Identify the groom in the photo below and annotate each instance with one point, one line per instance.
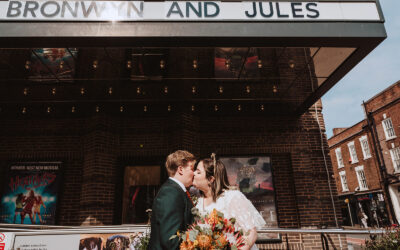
(172, 205)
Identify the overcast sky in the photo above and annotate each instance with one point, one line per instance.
(381, 68)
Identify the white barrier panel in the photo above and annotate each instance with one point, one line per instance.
(6, 241)
(47, 242)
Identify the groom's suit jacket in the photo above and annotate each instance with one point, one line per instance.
(171, 212)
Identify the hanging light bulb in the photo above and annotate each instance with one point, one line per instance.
(274, 89)
(166, 90)
(121, 109)
(193, 89)
(48, 110)
(195, 64)
(61, 64)
(262, 107)
(193, 108)
(95, 64)
(53, 91)
(291, 64)
(162, 64)
(227, 63)
(248, 89)
(221, 89)
(239, 107)
(97, 109)
(26, 91)
(27, 65)
(169, 108)
(138, 90)
(129, 64)
(73, 109)
(110, 90)
(259, 64)
(82, 91)
(145, 108)
(24, 110)
(215, 107)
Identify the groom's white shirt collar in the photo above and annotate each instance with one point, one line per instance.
(179, 183)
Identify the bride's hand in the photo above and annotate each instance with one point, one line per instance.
(245, 247)
(250, 239)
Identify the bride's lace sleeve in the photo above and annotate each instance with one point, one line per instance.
(246, 215)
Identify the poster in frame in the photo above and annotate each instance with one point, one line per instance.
(30, 193)
(141, 184)
(252, 175)
(48, 64)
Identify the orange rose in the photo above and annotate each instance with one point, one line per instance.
(222, 241)
(186, 245)
(213, 217)
(204, 241)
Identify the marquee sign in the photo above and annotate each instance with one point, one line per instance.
(49, 10)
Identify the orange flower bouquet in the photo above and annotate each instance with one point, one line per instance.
(211, 231)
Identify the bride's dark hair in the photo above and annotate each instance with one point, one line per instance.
(215, 168)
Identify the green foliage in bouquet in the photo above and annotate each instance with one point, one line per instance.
(389, 240)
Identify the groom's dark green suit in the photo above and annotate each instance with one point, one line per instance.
(171, 212)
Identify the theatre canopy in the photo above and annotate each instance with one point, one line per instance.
(296, 49)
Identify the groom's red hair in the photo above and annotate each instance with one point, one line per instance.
(176, 159)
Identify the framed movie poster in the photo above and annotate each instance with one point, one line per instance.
(109, 241)
(141, 184)
(30, 193)
(50, 63)
(253, 177)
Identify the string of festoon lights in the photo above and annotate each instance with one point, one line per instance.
(97, 108)
(165, 89)
(195, 64)
(110, 91)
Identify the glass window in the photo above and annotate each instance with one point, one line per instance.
(395, 154)
(388, 128)
(362, 181)
(365, 147)
(339, 157)
(353, 153)
(141, 184)
(343, 179)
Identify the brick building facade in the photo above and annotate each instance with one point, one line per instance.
(383, 112)
(357, 176)
(365, 158)
(110, 100)
(95, 144)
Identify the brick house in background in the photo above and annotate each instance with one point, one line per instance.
(366, 162)
(357, 176)
(383, 112)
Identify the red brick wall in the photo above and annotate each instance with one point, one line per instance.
(371, 168)
(338, 130)
(91, 150)
(392, 112)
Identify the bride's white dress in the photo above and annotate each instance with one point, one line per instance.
(234, 204)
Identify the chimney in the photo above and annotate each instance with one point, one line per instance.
(338, 130)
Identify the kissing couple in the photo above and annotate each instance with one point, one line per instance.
(172, 206)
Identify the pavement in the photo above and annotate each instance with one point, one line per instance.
(356, 241)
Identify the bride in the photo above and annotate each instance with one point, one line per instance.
(211, 179)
